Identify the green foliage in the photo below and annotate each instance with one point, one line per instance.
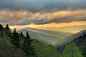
(45, 51)
(10, 44)
(1, 53)
(71, 50)
(9, 50)
(15, 38)
(35, 42)
(49, 51)
(84, 50)
(27, 46)
(22, 35)
(39, 49)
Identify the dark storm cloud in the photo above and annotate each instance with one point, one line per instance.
(37, 5)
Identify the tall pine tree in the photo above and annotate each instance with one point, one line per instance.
(7, 27)
(27, 46)
(21, 35)
(15, 39)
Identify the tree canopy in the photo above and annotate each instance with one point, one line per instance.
(50, 51)
(84, 50)
(71, 50)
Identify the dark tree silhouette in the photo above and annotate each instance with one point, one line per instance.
(27, 46)
(1, 27)
(14, 30)
(15, 38)
(21, 35)
(7, 27)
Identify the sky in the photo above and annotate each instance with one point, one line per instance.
(43, 14)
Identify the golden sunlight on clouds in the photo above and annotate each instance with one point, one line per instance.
(57, 25)
(70, 15)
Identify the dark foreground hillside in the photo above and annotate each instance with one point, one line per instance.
(9, 50)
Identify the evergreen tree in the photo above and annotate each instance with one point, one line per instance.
(15, 38)
(21, 35)
(1, 27)
(7, 27)
(39, 47)
(71, 50)
(27, 46)
(84, 50)
(15, 30)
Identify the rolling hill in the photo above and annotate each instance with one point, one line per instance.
(70, 38)
(46, 38)
(33, 36)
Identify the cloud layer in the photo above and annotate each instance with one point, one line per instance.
(23, 12)
(27, 17)
(37, 5)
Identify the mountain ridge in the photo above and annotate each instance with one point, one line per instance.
(70, 38)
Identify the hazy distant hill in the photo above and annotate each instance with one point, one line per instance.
(58, 34)
(75, 28)
(46, 38)
(70, 38)
(69, 29)
(33, 36)
(49, 37)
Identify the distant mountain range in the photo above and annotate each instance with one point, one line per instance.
(57, 34)
(55, 38)
(69, 29)
(45, 36)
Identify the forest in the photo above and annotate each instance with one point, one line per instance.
(14, 44)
